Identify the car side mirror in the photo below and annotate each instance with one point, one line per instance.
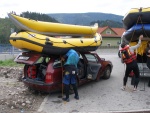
(102, 58)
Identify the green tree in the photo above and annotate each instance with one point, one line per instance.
(38, 16)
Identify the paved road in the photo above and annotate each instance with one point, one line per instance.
(103, 96)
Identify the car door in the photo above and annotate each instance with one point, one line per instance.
(93, 66)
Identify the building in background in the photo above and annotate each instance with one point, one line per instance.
(111, 36)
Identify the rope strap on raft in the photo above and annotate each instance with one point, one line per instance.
(95, 41)
(142, 48)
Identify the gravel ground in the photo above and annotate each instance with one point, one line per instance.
(14, 96)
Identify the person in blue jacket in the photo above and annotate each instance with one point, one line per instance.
(71, 59)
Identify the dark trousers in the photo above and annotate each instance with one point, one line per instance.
(129, 67)
(67, 88)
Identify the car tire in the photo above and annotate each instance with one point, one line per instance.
(107, 73)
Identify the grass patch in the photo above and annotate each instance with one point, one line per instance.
(10, 63)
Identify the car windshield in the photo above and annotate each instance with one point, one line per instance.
(43, 60)
(57, 63)
(91, 58)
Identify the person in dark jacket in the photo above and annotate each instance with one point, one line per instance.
(148, 55)
(71, 59)
(148, 58)
(128, 57)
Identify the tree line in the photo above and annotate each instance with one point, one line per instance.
(109, 23)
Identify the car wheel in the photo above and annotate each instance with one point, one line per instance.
(119, 54)
(107, 73)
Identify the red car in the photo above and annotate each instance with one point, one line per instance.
(44, 73)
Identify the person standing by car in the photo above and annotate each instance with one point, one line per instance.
(148, 55)
(128, 57)
(148, 58)
(71, 59)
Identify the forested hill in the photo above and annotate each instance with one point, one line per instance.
(85, 18)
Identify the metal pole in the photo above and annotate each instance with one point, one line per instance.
(12, 31)
(13, 51)
(144, 78)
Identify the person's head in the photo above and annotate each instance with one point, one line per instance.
(123, 45)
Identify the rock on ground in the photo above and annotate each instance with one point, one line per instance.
(14, 96)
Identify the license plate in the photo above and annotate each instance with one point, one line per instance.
(23, 58)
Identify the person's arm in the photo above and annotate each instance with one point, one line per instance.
(62, 58)
(148, 55)
(132, 48)
(148, 52)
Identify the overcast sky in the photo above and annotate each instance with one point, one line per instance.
(119, 7)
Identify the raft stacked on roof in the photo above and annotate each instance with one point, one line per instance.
(43, 36)
(29, 41)
(136, 22)
(52, 29)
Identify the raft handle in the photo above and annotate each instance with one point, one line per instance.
(49, 43)
(47, 39)
(14, 40)
(81, 41)
(64, 41)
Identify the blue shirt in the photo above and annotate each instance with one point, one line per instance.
(73, 58)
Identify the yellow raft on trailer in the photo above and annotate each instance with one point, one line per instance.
(52, 29)
(30, 41)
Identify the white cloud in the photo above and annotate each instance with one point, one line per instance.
(119, 7)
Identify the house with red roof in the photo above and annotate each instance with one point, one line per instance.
(111, 36)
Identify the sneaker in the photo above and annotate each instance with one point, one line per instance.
(123, 88)
(76, 97)
(66, 99)
(134, 89)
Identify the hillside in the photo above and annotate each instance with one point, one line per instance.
(84, 18)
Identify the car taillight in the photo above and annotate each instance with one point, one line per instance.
(48, 78)
(31, 72)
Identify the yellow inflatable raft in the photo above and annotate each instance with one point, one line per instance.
(52, 29)
(30, 41)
